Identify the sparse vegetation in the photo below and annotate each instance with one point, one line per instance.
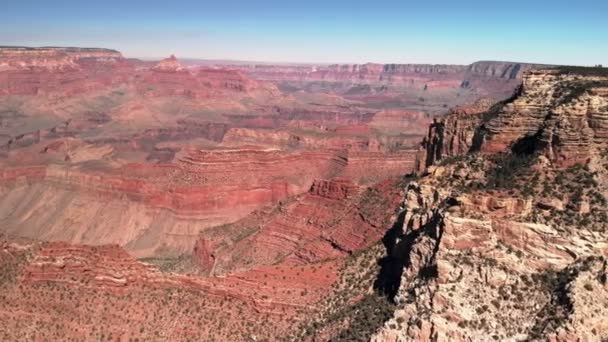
(342, 319)
(583, 202)
(509, 172)
(571, 90)
(583, 71)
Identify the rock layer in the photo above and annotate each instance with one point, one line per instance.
(475, 262)
(333, 219)
(93, 292)
(562, 114)
(96, 148)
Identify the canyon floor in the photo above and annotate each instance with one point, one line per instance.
(208, 201)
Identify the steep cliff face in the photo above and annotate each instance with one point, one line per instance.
(452, 135)
(488, 245)
(335, 218)
(502, 70)
(18, 58)
(562, 114)
(390, 72)
(32, 71)
(467, 276)
(491, 242)
(419, 87)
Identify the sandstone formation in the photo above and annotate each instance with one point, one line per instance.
(497, 242)
(400, 73)
(92, 141)
(20, 58)
(170, 64)
(270, 202)
(562, 113)
(558, 112)
(454, 134)
(476, 276)
(334, 219)
(428, 88)
(31, 71)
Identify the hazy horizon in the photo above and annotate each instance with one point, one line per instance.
(431, 32)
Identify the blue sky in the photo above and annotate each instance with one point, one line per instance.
(459, 32)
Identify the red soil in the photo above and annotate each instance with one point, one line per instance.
(333, 219)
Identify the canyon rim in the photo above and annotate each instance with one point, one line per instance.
(177, 198)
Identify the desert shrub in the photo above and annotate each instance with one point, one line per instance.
(508, 171)
(583, 71)
(366, 317)
(574, 89)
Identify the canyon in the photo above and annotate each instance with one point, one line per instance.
(192, 200)
(97, 148)
(421, 87)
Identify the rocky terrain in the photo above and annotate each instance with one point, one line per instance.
(91, 141)
(163, 201)
(56, 291)
(429, 88)
(333, 220)
(96, 148)
(502, 234)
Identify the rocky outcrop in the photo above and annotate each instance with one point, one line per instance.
(561, 114)
(405, 73)
(461, 275)
(334, 189)
(453, 135)
(170, 64)
(491, 243)
(32, 71)
(471, 262)
(335, 218)
(501, 70)
(18, 58)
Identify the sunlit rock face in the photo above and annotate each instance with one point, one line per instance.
(166, 200)
(563, 114)
(90, 141)
(514, 222)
